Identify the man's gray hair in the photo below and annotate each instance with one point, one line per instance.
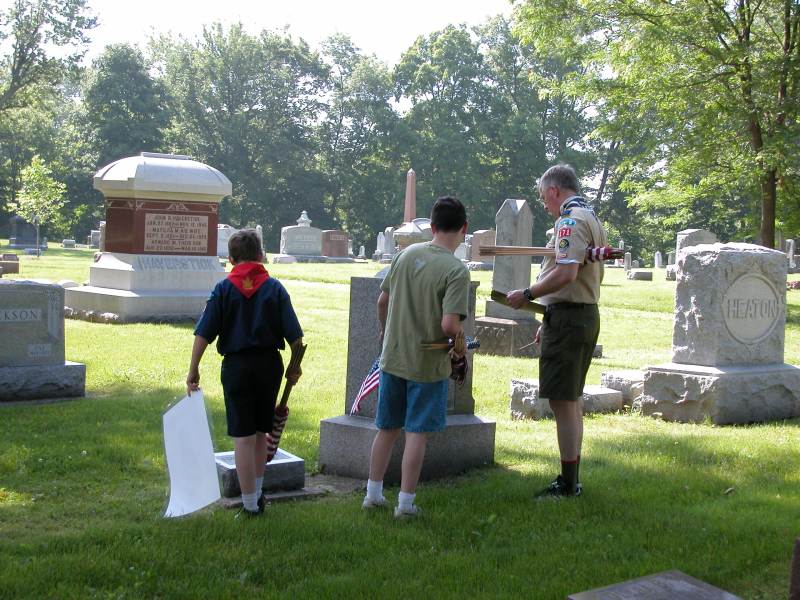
(563, 176)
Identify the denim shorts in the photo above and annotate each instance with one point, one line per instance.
(413, 406)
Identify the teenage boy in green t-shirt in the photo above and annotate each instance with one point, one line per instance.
(423, 298)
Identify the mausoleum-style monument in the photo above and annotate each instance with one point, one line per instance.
(727, 341)
(160, 248)
(32, 364)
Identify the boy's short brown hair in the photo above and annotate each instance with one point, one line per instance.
(244, 245)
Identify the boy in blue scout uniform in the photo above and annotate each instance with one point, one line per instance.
(569, 286)
(252, 315)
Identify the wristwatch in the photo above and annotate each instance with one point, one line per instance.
(527, 293)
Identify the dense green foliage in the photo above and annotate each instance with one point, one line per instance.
(676, 115)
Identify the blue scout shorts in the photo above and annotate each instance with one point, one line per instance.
(416, 407)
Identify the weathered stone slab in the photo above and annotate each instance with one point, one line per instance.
(67, 243)
(506, 337)
(466, 442)
(630, 383)
(640, 275)
(693, 237)
(730, 305)
(481, 237)
(671, 273)
(284, 472)
(527, 404)
(334, 243)
(67, 380)
(10, 267)
(669, 585)
(726, 394)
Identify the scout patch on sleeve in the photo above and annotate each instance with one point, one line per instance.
(563, 244)
(566, 222)
(564, 232)
(562, 255)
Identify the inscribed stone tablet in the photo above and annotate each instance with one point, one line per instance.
(751, 308)
(186, 234)
(32, 315)
(670, 585)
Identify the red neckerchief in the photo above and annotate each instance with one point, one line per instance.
(248, 277)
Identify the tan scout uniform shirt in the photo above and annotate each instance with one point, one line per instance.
(424, 282)
(575, 230)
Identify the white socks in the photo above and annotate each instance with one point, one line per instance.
(374, 489)
(405, 500)
(251, 501)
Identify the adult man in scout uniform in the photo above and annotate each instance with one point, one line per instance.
(569, 286)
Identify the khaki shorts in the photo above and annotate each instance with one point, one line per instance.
(569, 335)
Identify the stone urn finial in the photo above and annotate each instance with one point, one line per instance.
(304, 221)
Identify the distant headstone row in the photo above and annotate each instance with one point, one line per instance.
(304, 243)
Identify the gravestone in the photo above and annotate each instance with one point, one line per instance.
(102, 228)
(9, 263)
(410, 202)
(301, 241)
(378, 254)
(224, 233)
(670, 258)
(33, 366)
(659, 260)
(346, 440)
(160, 261)
(692, 237)
(388, 249)
(727, 341)
(94, 239)
(461, 251)
(67, 243)
(362, 253)
(413, 232)
(510, 332)
(627, 263)
(335, 246)
(629, 383)
(790, 250)
(526, 403)
(22, 235)
(669, 585)
(260, 234)
(640, 275)
(284, 472)
(480, 238)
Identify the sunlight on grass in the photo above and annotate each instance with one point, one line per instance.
(84, 481)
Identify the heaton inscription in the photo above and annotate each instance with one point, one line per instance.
(186, 234)
(751, 308)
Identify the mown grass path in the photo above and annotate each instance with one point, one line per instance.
(83, 482)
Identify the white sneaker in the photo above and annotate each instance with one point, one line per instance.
(370, 503)
(407, 512)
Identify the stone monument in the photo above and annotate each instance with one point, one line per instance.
(301, 242)
(505, 331)
(335, 246)
(388, 249)
(659, 260)
(481, 237)
(33, 366)
(410, 203)
(9, 262)
(345, 441)
(22, 235)
(224, 233)
(727, 341)
(160, 260)
(378, 254)
(790, 255)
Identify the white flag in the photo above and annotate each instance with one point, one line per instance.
(192, 469)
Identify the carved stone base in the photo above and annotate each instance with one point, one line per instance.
(507, 337)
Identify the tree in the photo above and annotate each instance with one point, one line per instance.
(40, 197)
(356, 135)
(34, 27)
(706, 92)
(247, 105)
(124, 106)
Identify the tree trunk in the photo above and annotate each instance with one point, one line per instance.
(769, 189)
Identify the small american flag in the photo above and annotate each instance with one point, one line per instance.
(370, 383)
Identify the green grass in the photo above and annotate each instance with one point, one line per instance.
(83, 482)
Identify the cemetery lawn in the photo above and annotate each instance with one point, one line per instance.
(83, 482)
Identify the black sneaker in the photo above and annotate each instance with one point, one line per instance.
(558, 489)
(248, 514)
(262, 502)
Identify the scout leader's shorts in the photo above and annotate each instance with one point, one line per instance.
(250, 382)
(569, 335)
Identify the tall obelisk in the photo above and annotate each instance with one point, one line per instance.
(410, 210)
